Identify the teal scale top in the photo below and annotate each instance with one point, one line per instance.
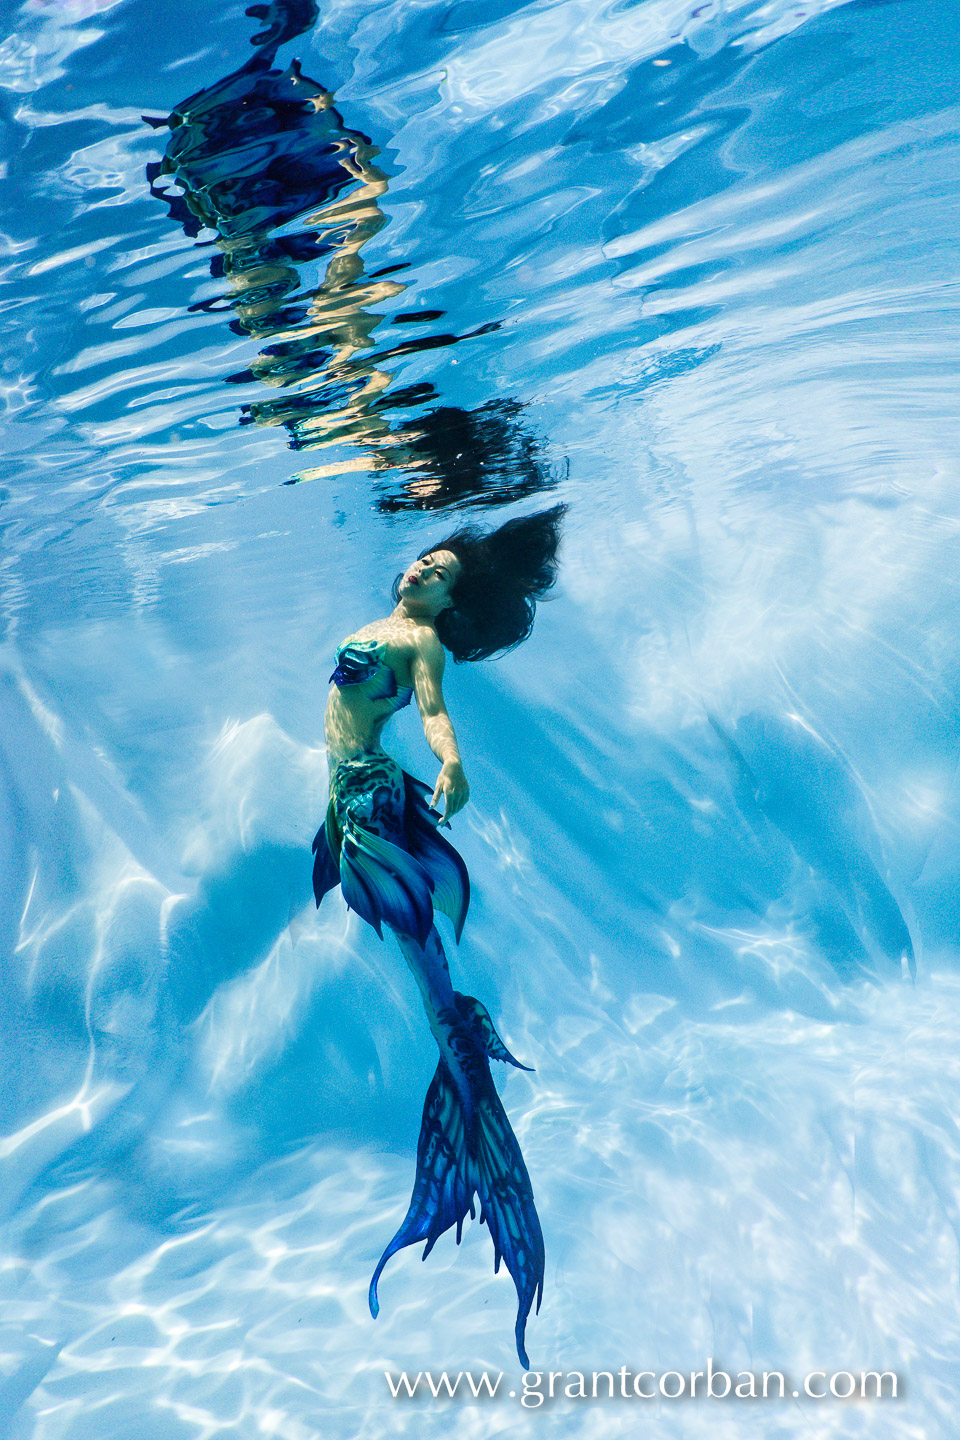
(360, 661)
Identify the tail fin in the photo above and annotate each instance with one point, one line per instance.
(386, 884)
(383, 883)
(444, 864)
(478, 1015)
(468, 1150)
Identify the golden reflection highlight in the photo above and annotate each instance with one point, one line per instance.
(265, 162)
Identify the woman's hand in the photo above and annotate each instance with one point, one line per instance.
(452, 786)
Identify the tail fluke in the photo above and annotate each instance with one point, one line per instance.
(506, 1206)
(467, 1148)
(442, 1193)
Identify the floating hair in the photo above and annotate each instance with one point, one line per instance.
(503, 574)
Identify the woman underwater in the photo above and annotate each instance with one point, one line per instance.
(475, 595)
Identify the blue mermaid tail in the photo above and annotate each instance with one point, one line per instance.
(381, 845)
(397, 879)
(467, 1148)
(444, 865)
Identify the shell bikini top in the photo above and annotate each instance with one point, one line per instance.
(358, 661)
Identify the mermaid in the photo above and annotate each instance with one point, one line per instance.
(473, 595)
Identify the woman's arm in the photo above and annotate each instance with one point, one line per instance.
(427, 671)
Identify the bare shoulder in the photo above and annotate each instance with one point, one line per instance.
(425, 644)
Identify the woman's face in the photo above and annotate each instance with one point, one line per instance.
(427, 584)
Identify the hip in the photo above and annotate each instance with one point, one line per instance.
(369, 787)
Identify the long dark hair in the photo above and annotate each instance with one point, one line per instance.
(503, 574)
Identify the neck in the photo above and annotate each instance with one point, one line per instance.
(410, 610)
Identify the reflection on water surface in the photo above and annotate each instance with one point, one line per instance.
(252, 153)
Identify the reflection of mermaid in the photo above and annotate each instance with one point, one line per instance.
(247, 157)
(474, 595)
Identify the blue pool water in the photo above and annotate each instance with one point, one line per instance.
(691, 268)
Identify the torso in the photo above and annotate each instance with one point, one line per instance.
(357, 713)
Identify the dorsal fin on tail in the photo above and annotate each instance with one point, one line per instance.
(475, 1011)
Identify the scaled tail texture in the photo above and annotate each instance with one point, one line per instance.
(385, 883)
(381, 844)
(467, 1148)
